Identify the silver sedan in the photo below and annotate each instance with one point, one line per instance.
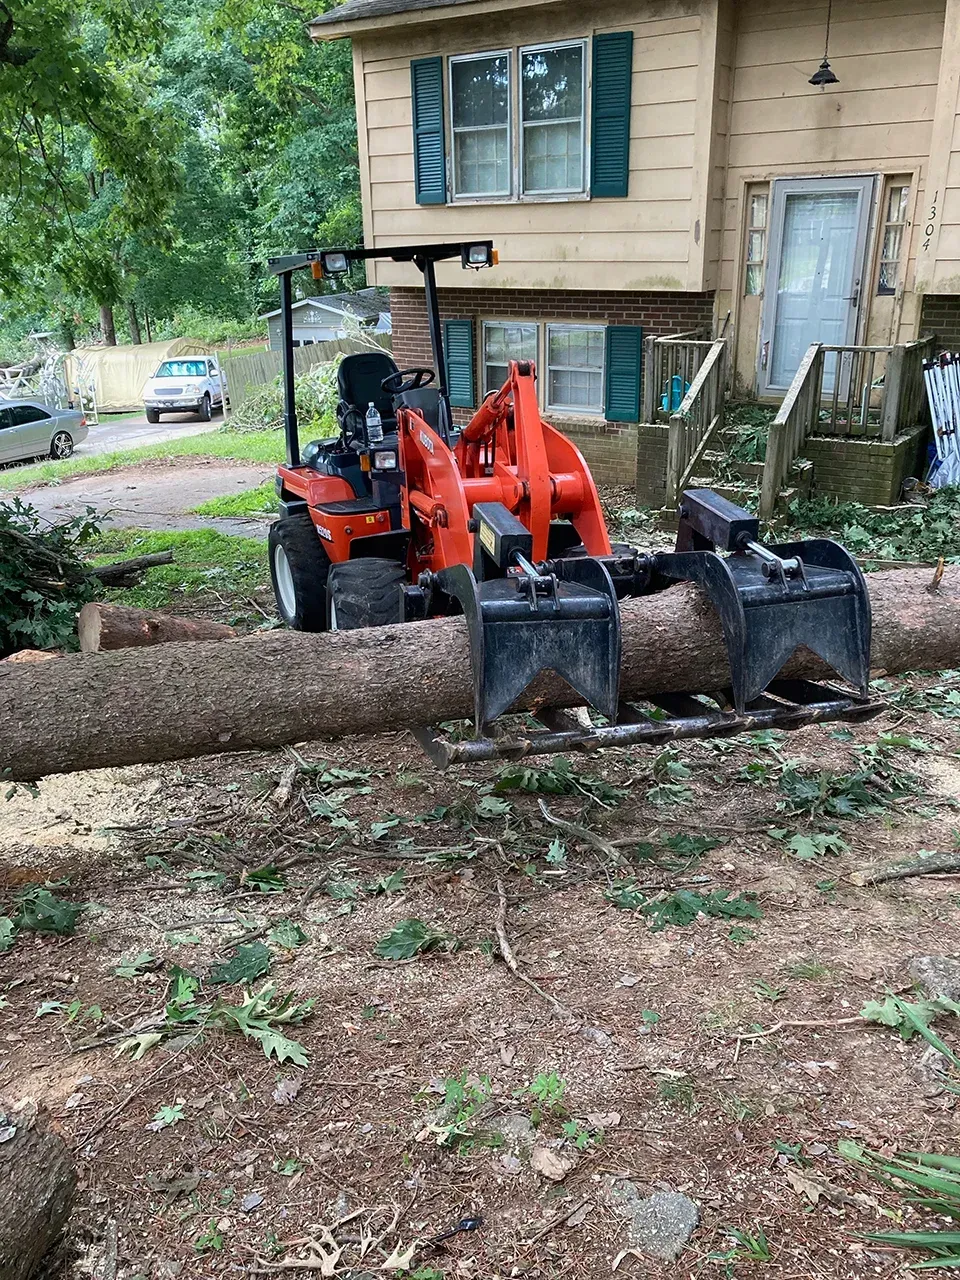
(32, 429)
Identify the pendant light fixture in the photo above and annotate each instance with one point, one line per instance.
(824, 73)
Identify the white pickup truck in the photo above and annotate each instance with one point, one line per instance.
(187, 384)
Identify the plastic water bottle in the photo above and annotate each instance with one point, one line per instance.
(374, 425)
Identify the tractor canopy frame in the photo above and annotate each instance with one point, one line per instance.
(324, 263)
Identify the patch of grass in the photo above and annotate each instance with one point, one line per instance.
(251, 502)
(248, 446)
(206, 562)
(680, 1092)
(924, 1180)
(809, 970)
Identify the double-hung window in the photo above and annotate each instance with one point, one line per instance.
(552, 118)
(503, 342)
(575, 367)
(480, 124)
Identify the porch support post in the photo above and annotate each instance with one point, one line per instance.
(892, 388)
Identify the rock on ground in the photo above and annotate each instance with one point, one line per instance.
(937, 975)
(660, 1224)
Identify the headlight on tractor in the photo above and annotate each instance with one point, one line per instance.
(385, 460)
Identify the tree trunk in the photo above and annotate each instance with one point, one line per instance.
(111, 626)
(146, 322)
(175, 701)
(37, 1184)
(134, 324)
(107, 326)
(121, 572)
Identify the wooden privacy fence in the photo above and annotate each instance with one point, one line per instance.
(698, 419)
(248, 371)
(670, 365)
(875, 392)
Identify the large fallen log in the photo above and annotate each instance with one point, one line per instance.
(114, 626)
(122, 573)
(37, 1184)
(180, 700)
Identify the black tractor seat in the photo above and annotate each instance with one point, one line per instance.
(358, 381)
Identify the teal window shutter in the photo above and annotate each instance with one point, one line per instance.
(458, 357)
(623, 359)
(610, 144)
(429, 165)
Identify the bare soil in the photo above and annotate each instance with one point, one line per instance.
(723, 1059)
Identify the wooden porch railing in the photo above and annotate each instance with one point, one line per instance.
(676, 356)
(876, 391)
(696, 421)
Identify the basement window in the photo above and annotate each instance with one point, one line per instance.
(756, 242)
(480, 123)
(503, 342)
(552, 118)
(893, 226)
(575, 368)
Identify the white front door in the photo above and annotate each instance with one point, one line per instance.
(815, 279)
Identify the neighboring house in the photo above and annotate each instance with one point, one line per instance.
(653, 167)
(328, 317)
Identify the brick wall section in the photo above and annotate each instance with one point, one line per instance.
(866, 471)
(652, 463)
(940, 314)
(610, 448)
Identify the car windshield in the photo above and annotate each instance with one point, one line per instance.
(182, 369)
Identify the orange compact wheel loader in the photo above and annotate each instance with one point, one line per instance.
(403, 516)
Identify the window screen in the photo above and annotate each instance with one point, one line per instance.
(504, 342)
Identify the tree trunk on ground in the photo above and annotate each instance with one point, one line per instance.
(37, 1184)
(134, 324)
(32, 655)
(122, 572)
(175, 701)
(107, 326)
(111, 626)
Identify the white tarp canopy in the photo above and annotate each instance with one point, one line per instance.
(116, 375)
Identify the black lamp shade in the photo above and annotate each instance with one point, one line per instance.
(823, 75)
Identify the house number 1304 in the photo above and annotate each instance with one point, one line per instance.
(928, 230)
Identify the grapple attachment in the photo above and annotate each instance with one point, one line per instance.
(770, 600)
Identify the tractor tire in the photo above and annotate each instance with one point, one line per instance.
(364, 593)
(153, 416)
(299, 566)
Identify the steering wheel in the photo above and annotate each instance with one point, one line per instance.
(416, 378)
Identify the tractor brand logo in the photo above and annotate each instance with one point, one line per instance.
(324, 532)
(426, 441)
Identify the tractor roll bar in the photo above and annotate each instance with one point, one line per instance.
(333, 262)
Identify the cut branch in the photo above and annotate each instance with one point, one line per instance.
(279, 687)
(113, 626)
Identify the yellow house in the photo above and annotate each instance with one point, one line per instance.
(662, 166)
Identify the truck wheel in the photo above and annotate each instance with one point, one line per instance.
(153, 416)
(364, 593)
(299, 566)
(206, 409)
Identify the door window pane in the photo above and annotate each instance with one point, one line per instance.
(756, 244)
(575, 367)
(896, 220)
(502, 343)
(551, 111)
(480, 115)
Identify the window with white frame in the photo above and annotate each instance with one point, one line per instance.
(895, 220)
(552, 118)
(502, 342)
(756, 242)
(575, 367)
(480, 124)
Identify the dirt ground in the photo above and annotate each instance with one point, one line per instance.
(723, 1058)
(160, 494)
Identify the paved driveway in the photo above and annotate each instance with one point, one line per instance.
(132, 433)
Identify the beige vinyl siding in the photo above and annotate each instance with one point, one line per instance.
(878, 119)
(643, 242)
(938, 254)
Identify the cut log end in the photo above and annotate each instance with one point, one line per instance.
(37, 1185)
(113, 626)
